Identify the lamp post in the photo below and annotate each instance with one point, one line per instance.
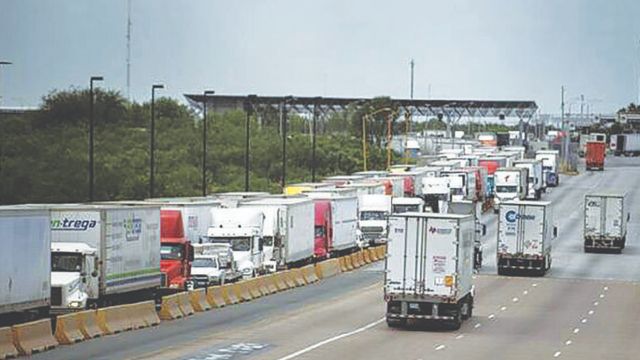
(313, 139)
(284, 139)
(152, 139)
(91, 134)
(3, 63)
(248, 108)
(204, 141)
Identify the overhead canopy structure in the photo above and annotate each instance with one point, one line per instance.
(324, 105)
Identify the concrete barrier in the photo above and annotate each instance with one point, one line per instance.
(360, 256)
(146, 311)
(309, 274)
(229, 295)
(114, 319)
(355, 261)
(366, 254)
(382, 252)
(33, 337)
(349, 261)
(170, 308)
(89, 324)
(373, 254)
(215, 297)
(327, 268)
(253, 286)
(68, 329)
(279, 280)
(184, 301)
(241, 291)
(288, 279)
(296, 276)
(269, 282)
(135, 316)
(7, 348)
(343, 264)
(263, 285)
(199, 300)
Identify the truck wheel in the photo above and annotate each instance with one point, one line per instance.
(396, 323)
(469, 308)
(456, 323)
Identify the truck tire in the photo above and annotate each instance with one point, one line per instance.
(456, 323)
(396, 323)
(469, 310)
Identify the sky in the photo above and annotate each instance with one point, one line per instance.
(463, 49)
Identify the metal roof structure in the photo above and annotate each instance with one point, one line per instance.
(325, 105)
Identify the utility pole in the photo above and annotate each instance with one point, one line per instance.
(582, 109)
(412, 66)
(129, 49)
(565, 140)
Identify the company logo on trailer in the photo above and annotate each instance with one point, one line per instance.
(511, 216)
(132, 228)
(439, 231)
(72, 225)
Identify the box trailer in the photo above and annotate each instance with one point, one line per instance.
(293, 228)
(25, 260)
(605, 221)
(594, 156)
(550, 166)
(535, 181)
(525, 233)
(103, 254)
(429, 267)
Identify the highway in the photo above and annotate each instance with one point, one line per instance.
(586, 307)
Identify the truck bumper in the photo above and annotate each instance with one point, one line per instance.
(516, 263)
(604, 243)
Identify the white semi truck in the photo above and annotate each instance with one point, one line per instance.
(103, 254)
(535, 181)
(525, 233)
(402, 205)
(436, 193)
(550, 166)
(242, 228)
(429, 268)
(372, 224)
(605, 221)
(291, 224)
(510, 184)
(25, 262)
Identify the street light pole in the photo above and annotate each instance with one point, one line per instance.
(204, 141)
(284, 140)
(313, 140)
(3, 63)
(91, 134)
(152, 140)
(248, 110)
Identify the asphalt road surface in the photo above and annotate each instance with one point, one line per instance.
(586, 307)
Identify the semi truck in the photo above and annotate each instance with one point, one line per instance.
(525, 233)
(627, 145)
(550, 166)
(342, 224)
(594, 155)
(214, 264)
(605, 221)
(436, 193)
(466, 207)
(176, 252)
(406, 204)
(242, 229)
(25, 263)
(372, 224)
(429, 267)
(103, 255)
(291, 224)
(535, 182)
(511, 184)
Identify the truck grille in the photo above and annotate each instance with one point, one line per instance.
(56, 296)
(200, 279)
(371, 229)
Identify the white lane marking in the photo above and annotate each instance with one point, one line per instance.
(591, 312)
(595, 303)
(584, 321)
(601, 296)
(477, 325)
(557, 354)
(534, 284)
(606, 288)
(503, 308)
(330, 340)
(576, 330)
(525, 292)
(459, 337)
(491, 316)
(568, 342)
(515, 299)
(440, 347)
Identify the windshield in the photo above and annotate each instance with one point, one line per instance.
(457, 191)
(506, 189)
(67, 262)
(171, 252)
(372, 215)
(319, 231)
(204, 263)
(399, 209)
(237, 243)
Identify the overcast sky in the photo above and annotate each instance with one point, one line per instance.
(466, 49)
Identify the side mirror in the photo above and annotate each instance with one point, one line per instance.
(94, 273)
(190, 250)
(555, 231)
(628, 217)
(260, 244)
(484, 229)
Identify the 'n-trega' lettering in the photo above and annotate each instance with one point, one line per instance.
(72, 224)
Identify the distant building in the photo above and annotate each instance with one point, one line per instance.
(631, 118)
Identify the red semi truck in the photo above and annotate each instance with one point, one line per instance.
(323, 228)
(595, 152)
(176, 252)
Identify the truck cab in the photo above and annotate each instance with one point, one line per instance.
(534, 178)
(176, 252)
(550, 160)
(372, 223)
(511, 184)
(242, 229)
(407, 204)
(323, 230)
(74, 276)
(436, 193)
